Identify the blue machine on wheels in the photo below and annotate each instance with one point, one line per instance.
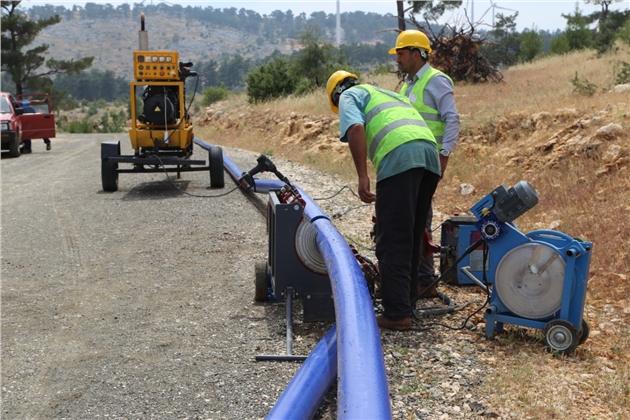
(540, 277)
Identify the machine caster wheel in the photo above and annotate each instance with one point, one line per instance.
(583, 332)
(109, 170)
(215, 158)
(561, 336)
(261, 293)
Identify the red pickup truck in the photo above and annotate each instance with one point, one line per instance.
(20, 123)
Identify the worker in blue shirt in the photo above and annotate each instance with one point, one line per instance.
(431, 93)
(384, 127)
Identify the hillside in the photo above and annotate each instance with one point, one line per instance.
(116, 40)
(573, 148)
(112, 40)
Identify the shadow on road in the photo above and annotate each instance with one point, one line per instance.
(157, 190)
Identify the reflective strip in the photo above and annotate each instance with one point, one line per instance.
(384, 106)
(388, 129)
(431, 117)
(409, 89)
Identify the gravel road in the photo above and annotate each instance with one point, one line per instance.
(133, 304)
(138, 304)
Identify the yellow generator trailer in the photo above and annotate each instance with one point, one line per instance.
(161, 130)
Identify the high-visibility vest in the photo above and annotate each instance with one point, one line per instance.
(431, 116)
(391, 120)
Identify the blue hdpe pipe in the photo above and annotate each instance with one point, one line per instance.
(352, 348)
(307, 389)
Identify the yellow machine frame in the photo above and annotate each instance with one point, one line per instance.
(159, 68)
(178, 135)
(160, 145)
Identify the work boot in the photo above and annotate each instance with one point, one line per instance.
(425, 292)
(48, 146)
(403, 324)
(25, 151)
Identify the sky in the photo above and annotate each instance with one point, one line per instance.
(542, 14)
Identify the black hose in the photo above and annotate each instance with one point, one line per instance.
(450, 305)
(435, 282)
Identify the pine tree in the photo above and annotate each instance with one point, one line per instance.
(29, 68)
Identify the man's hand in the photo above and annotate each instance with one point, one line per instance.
(364, 190)
(443, 163)
(356, 141)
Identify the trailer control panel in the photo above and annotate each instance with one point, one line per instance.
(156, 65)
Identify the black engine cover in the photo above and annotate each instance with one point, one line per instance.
(160, 107)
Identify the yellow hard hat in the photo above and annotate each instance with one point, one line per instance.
(412, 38)
(335, 86)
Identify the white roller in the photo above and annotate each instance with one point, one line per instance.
(306, 248)
(529, 280)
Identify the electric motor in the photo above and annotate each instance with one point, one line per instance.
(513, 203)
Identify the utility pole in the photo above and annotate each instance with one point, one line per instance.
(338, 26)
(401, 15)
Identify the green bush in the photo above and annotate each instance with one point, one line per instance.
(624, 33)
(559, 45)
(85, 126)
(92, 110)
(303, 87)
(583, 86)
(269, 81)
(214, 94)
(115, 125)
(382, 69)
(531, 45)
(623, 75)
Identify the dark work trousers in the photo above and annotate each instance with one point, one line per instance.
(402, 204)
(26, 144)
(426, 273)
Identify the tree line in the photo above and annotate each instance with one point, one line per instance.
(300, 72)
(507, 46)
(276, 26)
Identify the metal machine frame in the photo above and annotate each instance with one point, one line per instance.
(540, 278)
(159, 146)
(294, 268)
(565, 329)
(459, 233)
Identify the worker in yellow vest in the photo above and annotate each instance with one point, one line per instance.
(383, 126)
(431, 93)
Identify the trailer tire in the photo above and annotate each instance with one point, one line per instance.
(109, 169)
(261, 292)
(215, 160)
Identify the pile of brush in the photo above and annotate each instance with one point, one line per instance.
(456, 53)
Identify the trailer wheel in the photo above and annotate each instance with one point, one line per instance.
(109, 169)
(261, 282)
(215, 158)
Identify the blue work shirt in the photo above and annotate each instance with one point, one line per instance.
(438, 94)
(413, 154)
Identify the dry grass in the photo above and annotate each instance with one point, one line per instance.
(544, 85)
(501, 144)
